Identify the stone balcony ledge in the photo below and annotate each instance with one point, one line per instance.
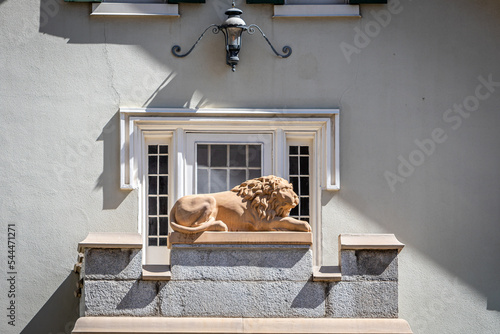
(129, 325)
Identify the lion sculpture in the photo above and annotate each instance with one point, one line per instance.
(261, 204)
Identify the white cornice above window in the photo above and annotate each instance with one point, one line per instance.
(322, 123)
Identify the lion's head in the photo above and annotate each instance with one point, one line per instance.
(269, 196)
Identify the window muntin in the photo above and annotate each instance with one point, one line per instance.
(219, 161)
(220, 167)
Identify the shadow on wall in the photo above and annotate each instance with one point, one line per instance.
(64, 304)
(109, 180)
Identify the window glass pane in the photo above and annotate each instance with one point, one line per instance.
(218, 155)
(218, 180)
(152, 149)
(163, 225)
(152, 164)
(295, 211)
(153, 242)
(293, 150)
(202, 185)
(254, 173)
(304, 165)
(304, 186)
(202, 155)
(304, 150)
(163, 185)
(304, 206)
(294, 165)
(254, 155)
(237, 156)
(163, 206)
(163, 164)
(163, 149)
(295, 183)
(152, 226)
(152, 206)
(236, 177)
(163, 241)
(152, 185)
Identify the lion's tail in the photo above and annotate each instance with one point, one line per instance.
(206, 226)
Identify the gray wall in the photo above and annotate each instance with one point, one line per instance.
(65, 74)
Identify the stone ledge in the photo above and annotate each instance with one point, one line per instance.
(369, 241)
(159, 325)
(272, 238)
(111, 240)
(153, 272)
(327, 274)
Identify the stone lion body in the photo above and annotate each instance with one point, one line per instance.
(261, 204)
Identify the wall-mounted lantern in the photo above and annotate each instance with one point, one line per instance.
(232, 28)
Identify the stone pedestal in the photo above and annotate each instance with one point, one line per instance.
(245, 275)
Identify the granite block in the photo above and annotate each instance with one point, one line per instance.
(121, 298)
(243, 299)
(241, 263)
(367, 299)
(113, 264)
(360, 265)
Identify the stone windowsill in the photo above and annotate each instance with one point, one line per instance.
(269, 238)
(335, 10)
(327, 274)
(153, 272)
(111, 240)
(134, 9)
(129, 325)
(369, 241)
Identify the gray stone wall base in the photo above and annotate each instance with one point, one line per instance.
(366, 299)
(121, 298)
(283, 299)
(113, 264)
(363, 265)
(241, 280)
(241, 263)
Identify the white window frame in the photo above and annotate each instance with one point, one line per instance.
(193, 138)
(321, 126)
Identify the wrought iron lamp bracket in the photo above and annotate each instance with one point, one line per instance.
(177, 48)
(287, 51)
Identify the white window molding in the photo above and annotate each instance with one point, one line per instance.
(317, 8)
(175, 127)
(134, 9)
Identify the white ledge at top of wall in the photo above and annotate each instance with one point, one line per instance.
(111, 240)
(221, 238)
(369, 241)
(338, 10)
(129, 325)
(135, 9)
(230, 111)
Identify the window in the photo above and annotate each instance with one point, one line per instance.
(167, 154)
(299, 176)
(220, 167)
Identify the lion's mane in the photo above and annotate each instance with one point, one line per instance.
(261, 192)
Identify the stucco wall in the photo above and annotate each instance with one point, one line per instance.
(65, 74)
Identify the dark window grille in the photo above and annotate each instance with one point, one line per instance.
(299, 175)
(158, 178)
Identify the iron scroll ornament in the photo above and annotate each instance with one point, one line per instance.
(232, 29)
